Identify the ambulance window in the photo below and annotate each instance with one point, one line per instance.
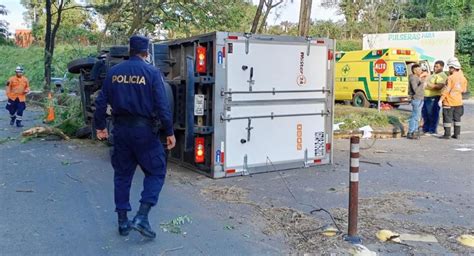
(400, 68)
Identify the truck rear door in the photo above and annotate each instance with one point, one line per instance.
(277, 107)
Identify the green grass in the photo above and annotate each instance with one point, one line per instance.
(32, 61)
(354, 118)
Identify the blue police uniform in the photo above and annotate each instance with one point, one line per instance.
(135, 91)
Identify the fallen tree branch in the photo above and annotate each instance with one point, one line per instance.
(41, 130)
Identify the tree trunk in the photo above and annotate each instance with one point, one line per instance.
(269, 6)
(50, 41)
(47, 46)
(256, 19)
(305, 17)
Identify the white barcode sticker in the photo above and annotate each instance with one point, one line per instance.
(199, 105)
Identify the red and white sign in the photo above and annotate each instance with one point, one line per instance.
(380, 66)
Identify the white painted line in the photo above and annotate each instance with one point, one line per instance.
(463, 149)
(354, 162)
(354, 177)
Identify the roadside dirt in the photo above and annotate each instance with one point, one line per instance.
(304, 232)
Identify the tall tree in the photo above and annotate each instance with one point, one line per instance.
(256, 19)
(269, 5)
(50, 36)
(3, 24)
(305, 17)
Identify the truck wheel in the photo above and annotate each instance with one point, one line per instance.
(359, 100)
(75, 66)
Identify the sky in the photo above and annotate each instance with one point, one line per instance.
(15, 15)
(289, 12)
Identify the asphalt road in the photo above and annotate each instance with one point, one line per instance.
(56, 198)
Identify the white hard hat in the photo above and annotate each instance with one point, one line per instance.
(454, 63)
(19, 69)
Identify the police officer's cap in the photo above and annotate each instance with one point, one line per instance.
(139, 43)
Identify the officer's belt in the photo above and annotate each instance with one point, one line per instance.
(132, 121)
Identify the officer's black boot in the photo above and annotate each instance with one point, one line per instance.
(18, 123)
(140, 222)
(12, 120)
(447, 133)
(124, 226)
(457, 132)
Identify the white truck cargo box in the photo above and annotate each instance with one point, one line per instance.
(251, 103)
(275, 103)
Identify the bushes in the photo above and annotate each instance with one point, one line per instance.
(349, 45)
(32, 61)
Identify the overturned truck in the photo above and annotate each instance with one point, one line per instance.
(242, 103)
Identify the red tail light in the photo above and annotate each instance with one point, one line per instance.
(328, 147)
(199, 150)
(201, 59)
(330, 55)
(389, 85)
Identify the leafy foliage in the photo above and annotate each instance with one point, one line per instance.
(174, 226)
(32, 61)
(355, 118)
(68, 114)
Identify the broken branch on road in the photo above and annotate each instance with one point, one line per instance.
(44, 131)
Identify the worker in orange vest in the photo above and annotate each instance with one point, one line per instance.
(17, 88)
(451, 99)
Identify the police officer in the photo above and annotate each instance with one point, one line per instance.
(136, 94)
(17, 88)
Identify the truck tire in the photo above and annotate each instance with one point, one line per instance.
(84, 132)
(359, 100)
(75, 66)
(118, 51)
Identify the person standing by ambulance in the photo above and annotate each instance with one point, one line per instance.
(416, 88)
(135, 91)
(16, 90)
(430, 110)
(451, 99)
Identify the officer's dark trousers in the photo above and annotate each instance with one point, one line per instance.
(16, 108)
(137, 146)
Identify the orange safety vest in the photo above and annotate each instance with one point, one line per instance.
(451, 94)
(17, 87)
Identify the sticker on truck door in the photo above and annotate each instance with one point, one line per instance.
(301, 78)
(199, 104)
(319, 143)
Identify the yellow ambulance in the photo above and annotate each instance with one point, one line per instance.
(357, 82)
